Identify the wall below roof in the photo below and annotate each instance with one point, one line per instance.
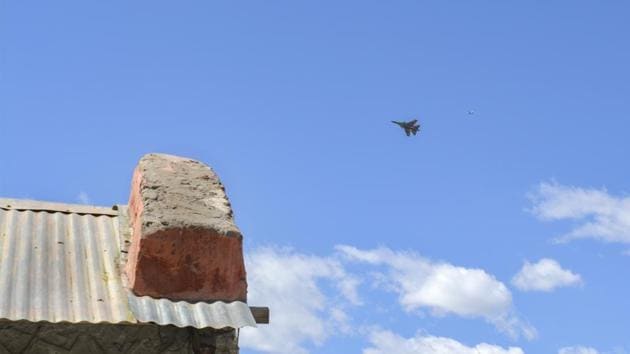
(48, 338)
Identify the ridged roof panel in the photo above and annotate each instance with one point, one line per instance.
(62, 266)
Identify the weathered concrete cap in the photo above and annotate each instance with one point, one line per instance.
(185, 245)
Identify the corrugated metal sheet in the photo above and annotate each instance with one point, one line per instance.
(181, 314)
(65, 266)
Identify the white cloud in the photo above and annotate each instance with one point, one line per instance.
(577, 350)
(444, 288)
(83, 198)
(291, 284)
(545, 275)
(598, 214)
(386, 342)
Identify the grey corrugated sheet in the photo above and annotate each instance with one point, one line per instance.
(182, 314)
(63, 266)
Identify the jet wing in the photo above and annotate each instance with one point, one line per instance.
(408, 131)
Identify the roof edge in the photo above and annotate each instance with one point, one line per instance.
(36, 205)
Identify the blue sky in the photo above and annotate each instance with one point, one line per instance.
(508, 227)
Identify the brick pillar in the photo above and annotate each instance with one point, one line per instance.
(185, 245)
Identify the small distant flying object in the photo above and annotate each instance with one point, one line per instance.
(470, 113)
(410, 127)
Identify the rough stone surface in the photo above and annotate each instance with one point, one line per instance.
(185, 245)
(56, 338)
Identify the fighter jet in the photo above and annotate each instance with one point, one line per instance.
(410, 127)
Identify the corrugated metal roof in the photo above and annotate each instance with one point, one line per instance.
(181, 314)
(60, 265)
